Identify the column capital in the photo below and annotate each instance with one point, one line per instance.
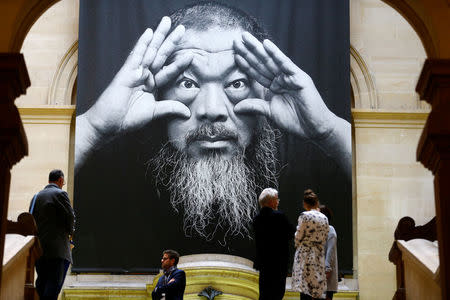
(434, 87)
(14, 78)
(435, 73)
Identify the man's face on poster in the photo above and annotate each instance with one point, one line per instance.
(214, 160)
(210, 87)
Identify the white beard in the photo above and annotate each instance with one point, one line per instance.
(214, 191)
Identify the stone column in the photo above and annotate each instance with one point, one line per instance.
(14, 81)
(434, 153)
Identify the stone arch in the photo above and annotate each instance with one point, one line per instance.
(364, 92)
(35, 9)
(410, 15)
(61, 91)
(28, 15)
(32, 10)
(362, 83)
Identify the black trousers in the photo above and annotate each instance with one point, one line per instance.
(51, 273)
(272, 285)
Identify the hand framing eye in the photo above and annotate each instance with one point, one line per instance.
(292, 101)
(129, 101)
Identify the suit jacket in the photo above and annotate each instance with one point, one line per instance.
(55, 221)
(173, 290)
(272, 234)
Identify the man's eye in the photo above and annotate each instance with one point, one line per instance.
(188, 84)
(238, 84)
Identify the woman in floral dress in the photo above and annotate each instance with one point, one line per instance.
(308, 272)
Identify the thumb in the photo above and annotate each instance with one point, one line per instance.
(171, 108)
(253, 106)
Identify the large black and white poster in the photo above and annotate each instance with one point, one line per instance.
(186, 110)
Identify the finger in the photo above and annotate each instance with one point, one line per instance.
(140, 75)
(285, 64)
(171, 71)
(158, 38)
(167, 48)
(149, 83)
(138, 52)
(278, 85)
(242, 50)
(171, 108)
(248, 69)
(257, 48)
(253, 106)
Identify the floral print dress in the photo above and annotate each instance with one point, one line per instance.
(308, 272)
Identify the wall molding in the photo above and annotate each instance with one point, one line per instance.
(47, 114)
(62, 84)
(362, 82)
(364, 118)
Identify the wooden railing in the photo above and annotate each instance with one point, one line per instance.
(416, 261)
(20, 253)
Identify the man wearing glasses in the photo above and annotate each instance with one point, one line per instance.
(171, 285)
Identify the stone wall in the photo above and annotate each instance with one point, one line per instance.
(390, 185)
(387, 56)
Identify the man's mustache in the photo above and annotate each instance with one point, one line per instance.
(210, 132)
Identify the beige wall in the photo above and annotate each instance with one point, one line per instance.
(390, 185)
(48, 132)
(386, 59)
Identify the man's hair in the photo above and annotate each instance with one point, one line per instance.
(310, 198)
(55, 175)
(172, 255)
(327, 212)
(208, 14)
(267, 195)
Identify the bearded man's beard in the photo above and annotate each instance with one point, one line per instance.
(215, 191)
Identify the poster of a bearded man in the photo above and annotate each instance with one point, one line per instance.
(203, 114)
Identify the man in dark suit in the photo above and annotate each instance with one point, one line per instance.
(55, 220)
(172, 284)
(272, 234)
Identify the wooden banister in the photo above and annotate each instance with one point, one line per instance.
(26, 226)
(407, 230)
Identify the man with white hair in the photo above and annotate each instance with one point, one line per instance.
(272, 234)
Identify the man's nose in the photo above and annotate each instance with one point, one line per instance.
(211, 104)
